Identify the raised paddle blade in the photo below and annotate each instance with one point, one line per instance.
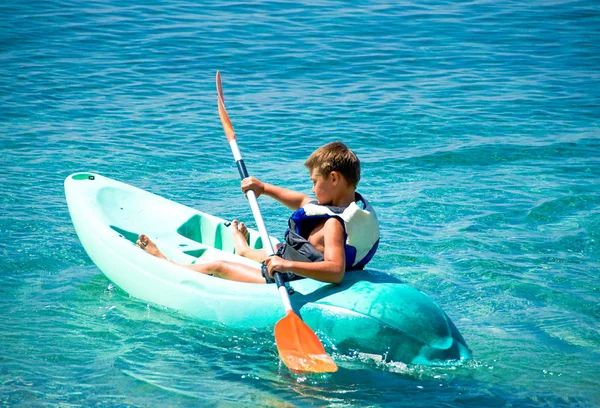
(227, 126)
(299, 347)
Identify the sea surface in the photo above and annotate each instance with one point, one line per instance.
(477, 124)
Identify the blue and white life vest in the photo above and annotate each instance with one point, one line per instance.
(361, 231)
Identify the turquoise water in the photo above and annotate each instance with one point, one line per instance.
(477, 126)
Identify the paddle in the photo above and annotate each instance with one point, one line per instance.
(299, 347)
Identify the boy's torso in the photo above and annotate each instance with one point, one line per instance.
(317, 237)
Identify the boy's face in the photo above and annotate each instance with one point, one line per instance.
(323, 187)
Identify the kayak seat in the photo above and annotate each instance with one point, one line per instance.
(216, 233)
(207, 230)
(128, 235)
(172, 244)
(196, 253)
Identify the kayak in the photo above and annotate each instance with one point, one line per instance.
(370, 312)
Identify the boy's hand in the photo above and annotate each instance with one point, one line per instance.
(254, 184)
(275, 264)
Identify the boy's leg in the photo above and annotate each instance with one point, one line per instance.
(229, 270)
(221, 269)
(240, 241)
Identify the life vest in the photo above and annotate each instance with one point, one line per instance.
(361, 232)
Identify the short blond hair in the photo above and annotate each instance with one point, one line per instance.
(335, 156)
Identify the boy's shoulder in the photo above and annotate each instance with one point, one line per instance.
(360, 203)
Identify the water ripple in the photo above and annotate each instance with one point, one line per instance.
(477, 126)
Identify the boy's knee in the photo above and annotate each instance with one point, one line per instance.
(218, 268)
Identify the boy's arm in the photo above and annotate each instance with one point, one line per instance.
(290, 198)
(331, 269)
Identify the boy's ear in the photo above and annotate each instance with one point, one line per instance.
(334, 177)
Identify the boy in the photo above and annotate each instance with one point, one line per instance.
(336, 232)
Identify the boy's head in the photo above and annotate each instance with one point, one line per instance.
(335, 156)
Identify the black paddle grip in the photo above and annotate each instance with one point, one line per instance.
(242, 169)
(279, 279)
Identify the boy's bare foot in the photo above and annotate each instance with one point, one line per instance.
(240, 237)
(147, 245)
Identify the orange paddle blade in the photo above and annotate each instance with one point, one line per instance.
(227, 126)
(299, 347)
